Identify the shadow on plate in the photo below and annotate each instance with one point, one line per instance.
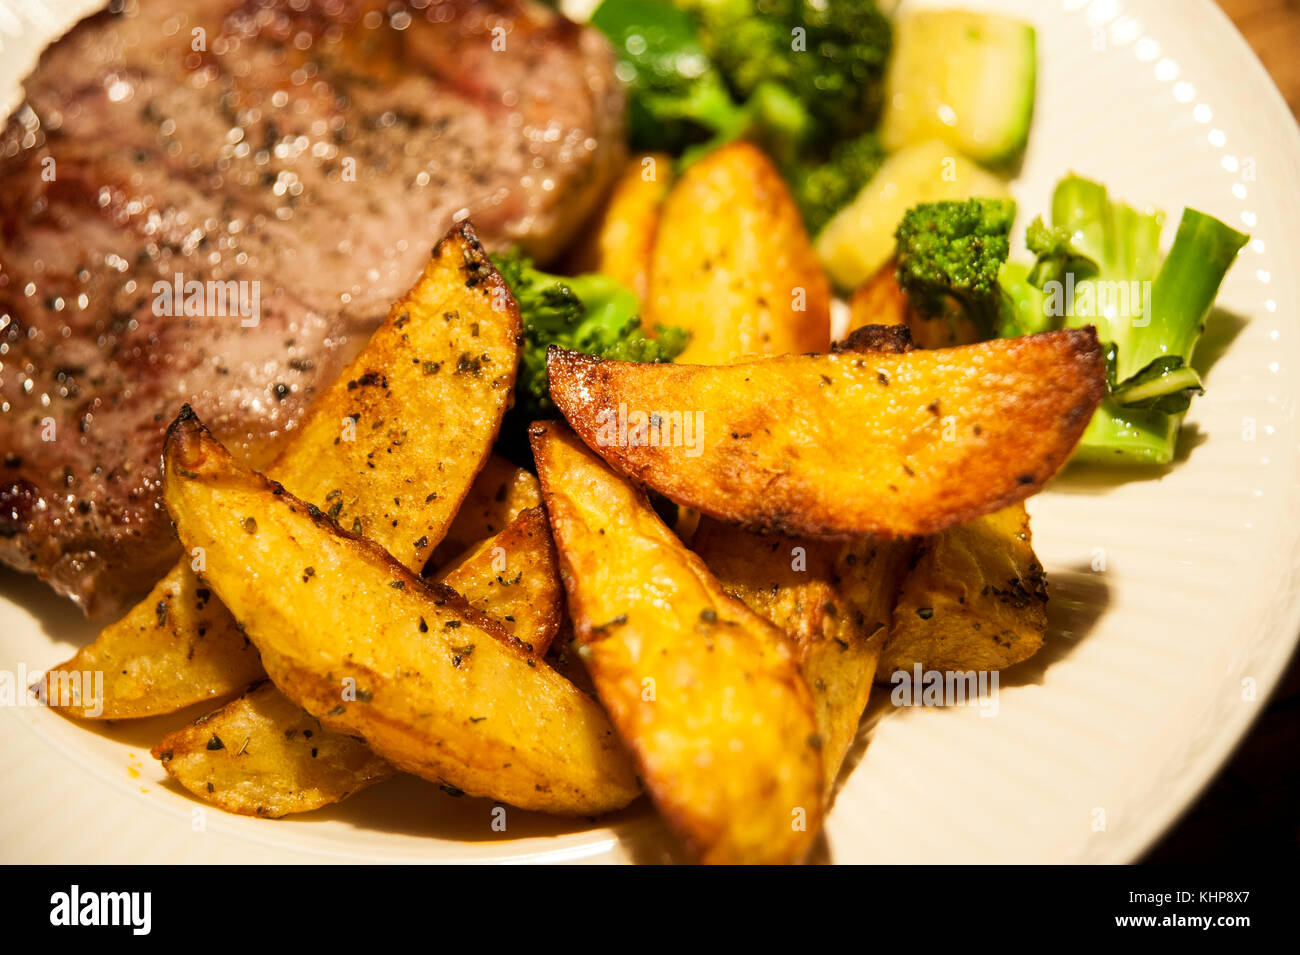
(1078, 598)
(58, 617)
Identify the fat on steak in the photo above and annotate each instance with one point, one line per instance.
(313, 150)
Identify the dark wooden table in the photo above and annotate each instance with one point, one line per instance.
(1252, 809)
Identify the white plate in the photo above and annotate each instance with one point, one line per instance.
(1155, 665)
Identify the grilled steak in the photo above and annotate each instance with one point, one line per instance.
(312, 150)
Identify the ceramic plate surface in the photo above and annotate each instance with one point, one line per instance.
(1175, 599)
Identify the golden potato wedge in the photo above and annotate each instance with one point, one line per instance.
(498, 495)
(564, 657)
(513, 576)
(178, 647)
(845, 444)
(835, 598)
(363, 455)
(263, 755)
(733, 264)
(620, 242)
(975, 599)
(879, 301)
(705, 692)
(372, 650)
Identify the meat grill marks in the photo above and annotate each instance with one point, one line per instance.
(316, 152)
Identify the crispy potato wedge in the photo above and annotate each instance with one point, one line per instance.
(620, 242)
(879, 301)
(263, 755)
(513, 576)
(373, 650)
(835, 598)
(271, 758)
(498, 495)
(847, 444)
(733, 264)
(975, 599)
(705, 692)
(178, 647)
(362, 455)
(974, 596)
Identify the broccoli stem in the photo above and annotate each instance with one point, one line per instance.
(1119, 435)
(1154, 325)
(1185, 289)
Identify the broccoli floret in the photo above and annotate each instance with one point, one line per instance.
(829, 54)
(677, 99)
(1055, 254)
(675, 95)
(1099, 263)
(587, 313)
(952, 253)
(822, 190)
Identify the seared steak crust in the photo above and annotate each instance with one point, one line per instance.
(314, 147)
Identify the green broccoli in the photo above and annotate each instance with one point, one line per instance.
(1099, 263)
(829, 54)
(587, 313)
(676, 96)
(954, 254)
(822, 190)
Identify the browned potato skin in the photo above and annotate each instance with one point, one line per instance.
(835, 598)
(879, 301)
(725, 739)
(847, 444)
(730, 253)
(620, 242)
(263, 755)
(276, 759)
(177, 647)
(975, 599)
(441, 690)
(498, 495)
(975, 595)
(513, 576)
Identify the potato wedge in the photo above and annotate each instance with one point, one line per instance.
(733, 264)
(620, 242)
(845, 444)
(974, 596)
(372, 650)
(177, 647)
(879, 301)
(362, 455)
(835, 598)
(498, 495)
(704, 691)
(263, 755)
(513, 576)
(975, 599)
